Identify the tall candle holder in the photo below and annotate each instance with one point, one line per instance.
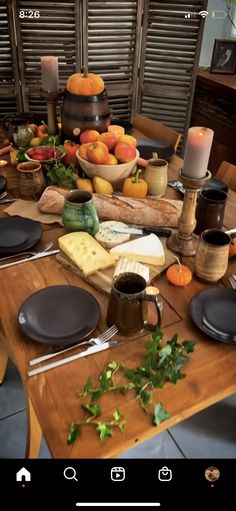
(184, 242)
(51, 99)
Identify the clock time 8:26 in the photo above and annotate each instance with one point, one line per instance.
(28, 14)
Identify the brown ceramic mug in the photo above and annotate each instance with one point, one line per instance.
(127, 307)
(211, 259)
(31, 180)
(210, 210)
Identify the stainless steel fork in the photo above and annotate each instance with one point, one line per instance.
(232, 280)
(108, 334)
(28, 253)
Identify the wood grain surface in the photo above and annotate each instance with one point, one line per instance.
(102, 280)
(210, 374)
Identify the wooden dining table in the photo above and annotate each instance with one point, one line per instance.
(52, 402)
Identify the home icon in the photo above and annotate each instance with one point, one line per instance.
(23, 475)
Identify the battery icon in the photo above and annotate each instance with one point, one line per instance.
(220, 15)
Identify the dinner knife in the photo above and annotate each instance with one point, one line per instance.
(33, 258)
(85, 353)
(159, 231)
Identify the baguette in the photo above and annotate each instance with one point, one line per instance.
(149, 211)
(52, 200)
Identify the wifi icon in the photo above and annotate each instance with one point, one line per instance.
(203, 14)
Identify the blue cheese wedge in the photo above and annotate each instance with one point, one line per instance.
(108, 238)
(147, 249)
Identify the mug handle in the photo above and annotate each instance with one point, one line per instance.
(159, 309)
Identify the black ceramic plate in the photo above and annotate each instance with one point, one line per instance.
(17, 234)
(59, 315)
(3, 183)
(148, 146)
(213, 310)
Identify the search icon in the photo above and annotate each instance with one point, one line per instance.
(72, 473)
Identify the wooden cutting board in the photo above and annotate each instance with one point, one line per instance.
(102, 280)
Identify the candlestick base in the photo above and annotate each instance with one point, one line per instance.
(184, 242)
(51, 98)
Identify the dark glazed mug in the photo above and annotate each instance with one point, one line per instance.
(127, 306)
(210, 210)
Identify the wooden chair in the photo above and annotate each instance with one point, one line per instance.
(154, 129)
(227, 172)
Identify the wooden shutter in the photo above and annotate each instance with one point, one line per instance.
(112, 31)
(171, 45)
(55, 32)
(10, 99)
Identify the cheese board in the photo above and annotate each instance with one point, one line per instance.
(102, 279)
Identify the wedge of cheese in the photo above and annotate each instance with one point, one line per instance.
(85, 252)
(108, 238)
(147, 249)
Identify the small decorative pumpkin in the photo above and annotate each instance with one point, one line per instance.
(178, 274)
(85, 84)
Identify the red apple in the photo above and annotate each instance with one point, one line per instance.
(128, 138)
(111, 160)
(97, 152)
(83, 151)
(109, 139)
(89, 136)
(124, 152)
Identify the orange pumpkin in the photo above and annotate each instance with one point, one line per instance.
(178, 274)
(232, 249)
(85, 84)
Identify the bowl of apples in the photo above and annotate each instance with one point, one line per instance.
(44, 154)
(107, 156)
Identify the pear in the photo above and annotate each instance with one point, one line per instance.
(102, 186)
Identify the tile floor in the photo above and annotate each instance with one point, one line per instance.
(209, 434)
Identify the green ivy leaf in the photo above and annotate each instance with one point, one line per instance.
(105, 379)
(95, 410)
(113, 366)
(104, 431)
(188, 346)
(164, 353)
(73, 434)
(122, 427)
(176, 376)
(145, 396)
(117, 415)
(97, 394)
(87, 387)
(160, 414)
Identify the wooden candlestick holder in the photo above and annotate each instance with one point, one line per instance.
(184, 242)
(51, 98)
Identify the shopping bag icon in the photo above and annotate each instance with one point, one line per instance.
(164, 474)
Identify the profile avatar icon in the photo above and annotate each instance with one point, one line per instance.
(212, 474)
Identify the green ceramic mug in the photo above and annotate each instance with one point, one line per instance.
(79, 213)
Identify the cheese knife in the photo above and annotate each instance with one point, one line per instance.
(159, 231)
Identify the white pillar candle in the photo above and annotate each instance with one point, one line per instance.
(49, 67)
(197, 152)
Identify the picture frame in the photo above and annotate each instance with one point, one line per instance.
(224, 57)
